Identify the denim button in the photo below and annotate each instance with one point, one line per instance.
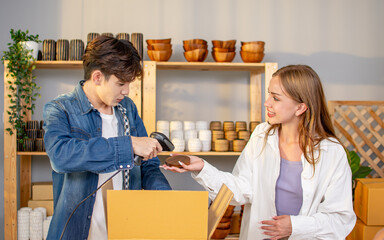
(94, 195)
(98, 129)
(89, 217)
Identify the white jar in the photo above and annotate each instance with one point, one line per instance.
(202, 125)
(206, 145)
(189, 125)
(175, 125)
(194, 145)
(177, 134)
(179, 144)
(205, 135)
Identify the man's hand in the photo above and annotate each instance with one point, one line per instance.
(146, 147)
(279, 227)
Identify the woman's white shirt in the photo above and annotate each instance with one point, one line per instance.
(327, 210)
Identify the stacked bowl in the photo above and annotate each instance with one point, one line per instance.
(252, 52)
(195, 50)
(159, 49)
(223, 51)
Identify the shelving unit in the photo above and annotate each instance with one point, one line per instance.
(143, 93)
(255, 84)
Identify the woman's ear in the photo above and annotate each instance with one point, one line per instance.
(302, 108)
(97, 77)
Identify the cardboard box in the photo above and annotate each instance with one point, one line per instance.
(363, 232)
(369, 196)
(47, 204)
(42, 191)
(164, 214)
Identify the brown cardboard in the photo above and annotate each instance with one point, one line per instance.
(163, 214)
(363, 232)
(47, 204)
(42, 191)
(368, 204)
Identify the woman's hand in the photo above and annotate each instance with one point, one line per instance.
(196, 165)
(277, 228)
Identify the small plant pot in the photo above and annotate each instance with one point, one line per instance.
(29, 145)
(62, 50)
(76, 50)
(33, 124)
(49, 50)
(39, 145)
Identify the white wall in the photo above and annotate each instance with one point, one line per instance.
(342, 40)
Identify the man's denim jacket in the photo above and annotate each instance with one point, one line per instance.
(78, 153)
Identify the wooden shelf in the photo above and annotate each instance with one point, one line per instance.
(31, 153)
(202, 153)
(59, 64)
(143, 94)
(211, 66)
(256, 81)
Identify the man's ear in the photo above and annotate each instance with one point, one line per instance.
(97, 77)
(301, 108)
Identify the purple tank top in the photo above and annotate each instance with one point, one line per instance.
(289, 193)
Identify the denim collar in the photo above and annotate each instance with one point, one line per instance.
(84, 102)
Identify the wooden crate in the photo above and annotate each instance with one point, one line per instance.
(359, 126)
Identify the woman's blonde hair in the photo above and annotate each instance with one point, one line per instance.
(302, 84)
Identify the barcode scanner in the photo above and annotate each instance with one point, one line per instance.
(165, 143)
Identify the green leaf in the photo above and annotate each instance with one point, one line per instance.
(362, 172)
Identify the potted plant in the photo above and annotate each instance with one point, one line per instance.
(20, 63)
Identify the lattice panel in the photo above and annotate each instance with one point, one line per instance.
(360, 127)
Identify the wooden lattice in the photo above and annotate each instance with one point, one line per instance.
(359, 126)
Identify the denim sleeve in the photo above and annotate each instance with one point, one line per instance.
(151, 176)
(75, 154)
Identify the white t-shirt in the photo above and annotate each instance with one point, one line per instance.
(98, 229)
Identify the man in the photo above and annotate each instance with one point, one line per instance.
(93, 132)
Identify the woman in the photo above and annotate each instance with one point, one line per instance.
(293, 176)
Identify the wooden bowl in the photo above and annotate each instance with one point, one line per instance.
(224, 44)
(165, 40)
(159, 55)
(215, 49)
(193, 46)
(220, 233)
(252, 48)
(223, 56)
(159, 46)
(224, 225)
(198, 41)
(229, 211)
(226, 219)
(197, 55)
(260, 43)
(251, 57)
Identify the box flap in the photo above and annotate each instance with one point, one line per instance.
(218, 207)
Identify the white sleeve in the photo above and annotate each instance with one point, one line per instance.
(335, 217)
(239, 181)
